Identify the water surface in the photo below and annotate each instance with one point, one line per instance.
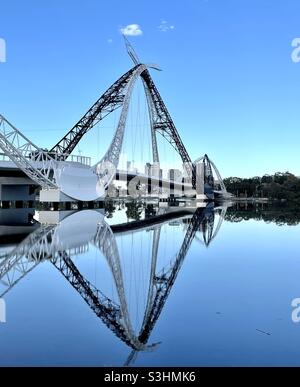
(175, 287)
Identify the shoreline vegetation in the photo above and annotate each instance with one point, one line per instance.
(282, 187)
(280, 213)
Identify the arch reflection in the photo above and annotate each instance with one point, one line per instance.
(58, 243)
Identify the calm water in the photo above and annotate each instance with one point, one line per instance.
(176, 287)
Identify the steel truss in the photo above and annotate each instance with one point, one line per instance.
(110, 101)
(162, 123)
(160, 120)
(44, 167)
(24, 258)
(34, 161)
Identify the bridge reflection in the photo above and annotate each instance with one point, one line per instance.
(61, 244)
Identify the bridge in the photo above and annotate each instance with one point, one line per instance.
(60, 245)
(63, 176)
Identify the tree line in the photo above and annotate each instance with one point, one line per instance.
(280, 186)
(287, 213)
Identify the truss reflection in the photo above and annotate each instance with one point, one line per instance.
(58, 243)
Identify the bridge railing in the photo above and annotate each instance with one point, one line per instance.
(44, 153)
(80, 159)
(73, 158)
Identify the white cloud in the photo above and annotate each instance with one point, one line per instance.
(109, 41)
(165, 26)
(131, 30)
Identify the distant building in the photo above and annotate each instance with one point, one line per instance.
(153, 170)
(174, 175)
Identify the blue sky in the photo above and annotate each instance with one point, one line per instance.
(228, 77)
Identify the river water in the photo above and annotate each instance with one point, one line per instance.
(146, 285)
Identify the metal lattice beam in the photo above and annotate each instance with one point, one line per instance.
(25, 257)
(163, 124)
(111, 100)
(102, 306)
(115, 97)
(32, 160)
